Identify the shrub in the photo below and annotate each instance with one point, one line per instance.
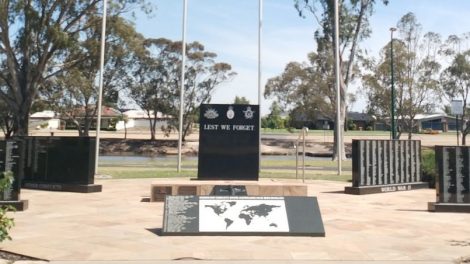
(6, 223)
(429, 167)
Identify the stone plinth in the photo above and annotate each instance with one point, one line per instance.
(159, 190)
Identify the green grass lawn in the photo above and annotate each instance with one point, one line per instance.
(287, 163)
(268, 131)
(125, 172)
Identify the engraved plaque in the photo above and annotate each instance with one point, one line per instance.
(228, 142)
(378, 163)
(453, 185)
(242, 215)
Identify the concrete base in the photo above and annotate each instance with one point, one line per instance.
(385, 188)
(20, 205)
(62, 187)
(158, 190)
(448, 208)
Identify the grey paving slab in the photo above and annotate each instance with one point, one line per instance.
(115, 225)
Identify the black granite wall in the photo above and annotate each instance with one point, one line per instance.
(382, 162)
(11, 152)
(67, 160)
(453, 185)
(228, 142)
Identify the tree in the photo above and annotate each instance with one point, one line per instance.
(203, 75)
(305, 88)
(6, 119)
(354, 21)
(155, 84)
(241, 100)
(455, 81)
(74, 92)
(36, 38)
(274, 120)
(415, 75)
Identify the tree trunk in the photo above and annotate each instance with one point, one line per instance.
(21, 125)
(125, 130)
(152, 129)
(186, 131)
(464, 129)
(342, 117)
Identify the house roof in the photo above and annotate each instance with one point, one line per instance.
(142, 114)
(356, 116)
(425, 117)
(44, 114)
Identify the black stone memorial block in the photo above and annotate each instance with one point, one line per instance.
(228, 142)
(242, 215)
(60, 164)
(385, 166)
(11, 153)
(229, 190)
(453, 183)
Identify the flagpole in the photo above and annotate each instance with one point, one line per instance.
(100, 90)
(338, 90)
(183, 64)
(260, 28)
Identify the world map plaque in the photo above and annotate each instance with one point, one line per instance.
(242, 215)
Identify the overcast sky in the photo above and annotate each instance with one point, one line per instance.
(229, 28)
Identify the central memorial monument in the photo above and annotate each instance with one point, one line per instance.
(228, 142)
(229, 149)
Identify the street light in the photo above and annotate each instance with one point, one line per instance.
(394, 126)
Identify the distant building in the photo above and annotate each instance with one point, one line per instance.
(436, 122)
(140, 119)
(44, 120)
(109, 118)
(360, 121)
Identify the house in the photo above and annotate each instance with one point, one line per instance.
(140, 119)
(439, 122)
(44, 120)
(360, 121)
(109, 118)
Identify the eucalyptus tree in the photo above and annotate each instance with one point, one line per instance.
(455, 79)
(241, 100)
(305, 88)
(155, 84)
(416, 75)
(36, 39)
(6, 119)
(73, 93)
(354, 27)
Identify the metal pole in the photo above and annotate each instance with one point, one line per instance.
(260, 27)
(297, 159)
(394, 125)
(183, 65)
(338, 91)
(303, 155)
(100, 90)
(457, 124)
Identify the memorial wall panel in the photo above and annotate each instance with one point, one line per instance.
(228, 142)
(385, 165)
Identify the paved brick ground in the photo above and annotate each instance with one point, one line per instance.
(117, 225)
